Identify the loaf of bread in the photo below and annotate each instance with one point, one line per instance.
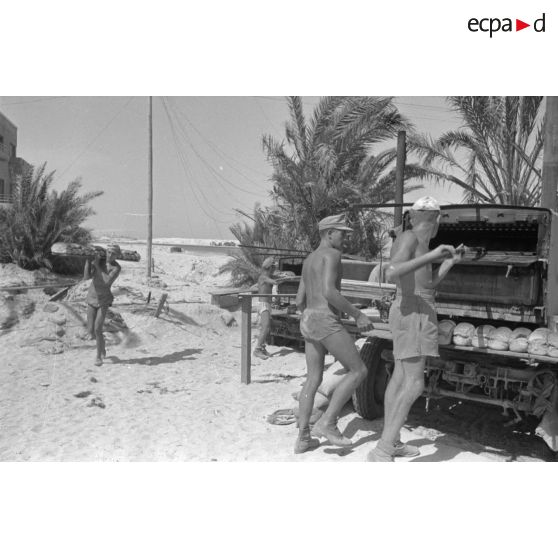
(500, 339)
(519, 345)
(463, 334)
(445, 332)
(482, 335)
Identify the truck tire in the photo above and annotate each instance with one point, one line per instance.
(368, 398)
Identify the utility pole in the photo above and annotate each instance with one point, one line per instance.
(150, 190)
(548, 200)
(399, 174)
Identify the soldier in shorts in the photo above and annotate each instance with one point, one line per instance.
(320, 301)
(266, 280)
(412, 320)
(103, 272)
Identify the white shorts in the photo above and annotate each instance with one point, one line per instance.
(262, 307)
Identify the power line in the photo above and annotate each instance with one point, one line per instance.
(219, 151)
(191, 186)
(266, 117)
(447, 110)
(419, 105)
(181, 189)
(185, 137)
(38, 100)
(209, 166)
(189, 168)
(117, 113)
(216, 176)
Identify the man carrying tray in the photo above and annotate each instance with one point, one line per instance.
(103, 272)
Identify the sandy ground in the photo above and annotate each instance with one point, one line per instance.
(170, 388)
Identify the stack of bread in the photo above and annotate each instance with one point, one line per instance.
(521, 340)
(463, 334)
(445, 332)
(482, 336)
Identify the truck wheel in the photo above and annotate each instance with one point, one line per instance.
(368, 398)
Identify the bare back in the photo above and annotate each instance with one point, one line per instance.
(406, 247)
(314, 272)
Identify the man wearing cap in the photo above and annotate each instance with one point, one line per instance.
(320, 301)
(266, 280)
(412, 320)
(104, 272)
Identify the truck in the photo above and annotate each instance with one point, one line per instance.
(503, 282)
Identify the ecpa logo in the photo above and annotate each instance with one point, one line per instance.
(492, 25)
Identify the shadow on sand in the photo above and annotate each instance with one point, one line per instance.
(178, 356)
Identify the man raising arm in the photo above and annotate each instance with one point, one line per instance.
(413, 321)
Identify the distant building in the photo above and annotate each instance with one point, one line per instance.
(10, 164)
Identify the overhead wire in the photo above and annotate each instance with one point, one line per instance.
(184, 168)
(182, 192)
(446, 110)
(266, 117)
(204, 161)
(97, 136)
(38, 100)
(184, 164)
(189, 167)
(186, 138)
(222, 153)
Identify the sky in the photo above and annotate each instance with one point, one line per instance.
(207, 155)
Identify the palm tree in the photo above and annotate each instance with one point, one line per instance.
(39, 217)
(266, 229)
(325, 165)
(496, 157)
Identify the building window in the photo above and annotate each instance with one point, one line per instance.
(13, 148)
(2, 139)
(2, 189)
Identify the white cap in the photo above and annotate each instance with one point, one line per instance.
(426, 203)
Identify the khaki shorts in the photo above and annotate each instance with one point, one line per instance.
(414, 326)
(316, 325)
(263, 306)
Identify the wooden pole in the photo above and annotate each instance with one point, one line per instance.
(550, 155)
(548, 200)
(150, 190)
(162, 301)
(399, 174)
(246, 338)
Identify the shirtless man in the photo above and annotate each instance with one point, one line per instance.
(320, 300)
(266, 280)
(412, 320)
(99, 296)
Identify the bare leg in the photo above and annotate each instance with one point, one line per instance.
(91, 316)
(342, 347)
(264, 328)
(393, 388)
(315, 355)
(99, 321)
(402, 400)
